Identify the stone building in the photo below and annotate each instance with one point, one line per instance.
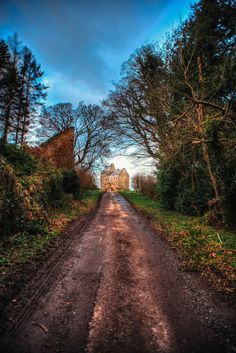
(113, 179)
(59, 148)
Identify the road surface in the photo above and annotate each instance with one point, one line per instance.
(118, 288)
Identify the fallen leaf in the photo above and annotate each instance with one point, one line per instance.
(44, 328)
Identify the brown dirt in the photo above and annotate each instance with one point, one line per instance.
(118, 288)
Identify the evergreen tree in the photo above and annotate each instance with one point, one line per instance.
(21, 90)
(8, 89)
(30, 95)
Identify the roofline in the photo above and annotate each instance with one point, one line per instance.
(56, 135)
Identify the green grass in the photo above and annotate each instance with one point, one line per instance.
(76, 208)
(200, 247)
(16, 250)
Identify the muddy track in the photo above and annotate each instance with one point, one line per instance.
(118, 288)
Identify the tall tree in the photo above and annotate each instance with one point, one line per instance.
(21, 90)
(30, 95)
(8, 89)
(201, 59)
(138, 107)
(178, 104)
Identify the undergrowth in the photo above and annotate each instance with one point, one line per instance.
(15, 250)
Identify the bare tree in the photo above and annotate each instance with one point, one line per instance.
(92, 138)
(145, 183)
(56, 119)
(139, 107)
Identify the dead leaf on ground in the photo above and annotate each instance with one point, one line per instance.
(43, 327)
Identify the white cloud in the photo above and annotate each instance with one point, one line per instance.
(61, 89)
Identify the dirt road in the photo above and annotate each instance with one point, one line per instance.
(120, 289)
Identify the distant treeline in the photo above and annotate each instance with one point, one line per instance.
(176, 103)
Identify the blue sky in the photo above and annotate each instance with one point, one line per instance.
(81, 44)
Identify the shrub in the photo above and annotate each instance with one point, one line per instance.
(13, 210)
(226, 172)
(45, 185)
(87, 180)
(167, 176)
(22, 162)
(35, 227)
(71, 183)
(54, 188)
(183, 182)
(192, 197)
(29, 188)
(146, 184)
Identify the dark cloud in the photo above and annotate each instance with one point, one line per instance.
(81, 40)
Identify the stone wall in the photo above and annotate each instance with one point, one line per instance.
(60, 149)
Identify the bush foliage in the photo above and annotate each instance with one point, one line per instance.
(183, 184)
(22, 162)
(29, 188)
(71, 183)
(13, 210)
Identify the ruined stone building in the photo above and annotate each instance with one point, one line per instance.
(113, 179)
(59, 148)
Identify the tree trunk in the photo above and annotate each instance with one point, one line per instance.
(6, 126)
(19, 111)
(206, 155)
(17, 130)
(23, 131)
(26, 115)
(205, 147)
(210, 170)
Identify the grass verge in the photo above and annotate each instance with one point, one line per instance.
(200, 247)
(20, 248)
